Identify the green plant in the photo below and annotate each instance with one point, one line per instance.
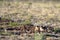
(13, 23)
(3, 18)
(1, 0)
(57, 30)
(26, 22)
(39, 36)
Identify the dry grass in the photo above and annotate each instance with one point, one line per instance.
(43, 12)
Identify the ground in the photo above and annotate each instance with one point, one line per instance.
(36, 13)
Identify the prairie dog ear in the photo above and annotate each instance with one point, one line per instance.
(38, 26)
(0, 18)
(41, 26)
